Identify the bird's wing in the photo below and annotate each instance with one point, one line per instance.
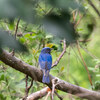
(45, 61)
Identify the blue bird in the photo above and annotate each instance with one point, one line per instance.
(45, 62)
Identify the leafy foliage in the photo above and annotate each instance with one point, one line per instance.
(41, 24)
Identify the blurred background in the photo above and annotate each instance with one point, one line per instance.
(26, 26)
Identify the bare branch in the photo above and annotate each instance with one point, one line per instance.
(87, 40)
(30, 85)
(41, 8)
(78, 47)
(58, 96)
(50, 11)
(27, 69)
(74, 16)
(54, 83)
(48, 95)
(78, 20)
(37, 95)
(93, 6)
(16, 29)
(26, 90)
(61, 55)
(88, 52)
(53, 89)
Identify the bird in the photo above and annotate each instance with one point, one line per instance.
(45, 62)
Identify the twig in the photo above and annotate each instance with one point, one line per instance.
(93, 6)
(49, 11)
(87, 40)
(74, 16)
(26, 91)
(30, 85)
(41, 8)
(61, 55)
(54, 84)
(78, 20)
(27, 88)
(48, 95)
(78, 47)
(68, 65)
(58, 96)
(16, 29)
(53, 88)
(88, 52)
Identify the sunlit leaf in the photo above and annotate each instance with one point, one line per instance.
(62, 68)
(48, 36)
(98, 75)
(49, 45)
(35, 51)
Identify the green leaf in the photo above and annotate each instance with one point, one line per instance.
(62, 68)
(2, 97)
(2, 77)
(48, 36)
(97, 85)
(98, 75)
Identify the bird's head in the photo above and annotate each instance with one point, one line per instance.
(46, 50)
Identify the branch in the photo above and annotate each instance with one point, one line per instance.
(78, 47)
(37, 95)
(61, 55)
(41, 8)
(78, 20)
(54, 83)
(58, 96)
(36, 73)
(27, 88)
(93, 6)
(50, 11)
(53, 88)
(16, 29)
(49, 93)
(30, 85)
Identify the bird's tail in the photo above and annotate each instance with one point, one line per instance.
(45, 78)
